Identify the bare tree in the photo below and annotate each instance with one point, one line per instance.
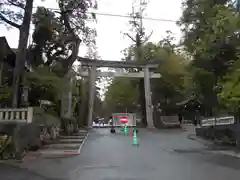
(140, 38)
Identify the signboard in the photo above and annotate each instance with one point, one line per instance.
(124, 118)
(115, 118)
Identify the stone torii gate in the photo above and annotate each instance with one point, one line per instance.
(93, 74)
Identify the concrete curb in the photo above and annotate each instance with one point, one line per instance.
(14, 163)
(78, 151)
(81, 146)
(200, 140)
(227, 152)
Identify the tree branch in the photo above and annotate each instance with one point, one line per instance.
(16, 4)
(65, 19)
(130, 37)
(147, 38)
(9, 22)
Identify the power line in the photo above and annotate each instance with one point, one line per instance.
(123, 16)
(128, 16)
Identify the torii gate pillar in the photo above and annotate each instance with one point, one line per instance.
(148, 98)
(92, 89)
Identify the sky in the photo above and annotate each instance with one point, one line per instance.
(110, 39)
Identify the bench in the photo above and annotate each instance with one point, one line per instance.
(16, 115)
(169, 121)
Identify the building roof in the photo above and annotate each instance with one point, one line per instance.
(184, 102)
(6, 53)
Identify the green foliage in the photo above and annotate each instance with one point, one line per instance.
(230, 94)
(46, 82)
(57, 35)
(121, 95)
(208, 30)
(150, 51)
(56, 39)
(45, 77)
(175, 79)
(174, 71)
(5, 93)
(175, 82)
(173, 86)
(211, 36)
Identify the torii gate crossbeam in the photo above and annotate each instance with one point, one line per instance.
(120, 74)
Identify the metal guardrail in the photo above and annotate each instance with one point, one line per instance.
(16, 115)
(218, 121)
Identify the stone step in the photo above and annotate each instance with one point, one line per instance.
(54, 153)
(72, 137)
(81, 131)
(70, 141)
(62, 146)
(65, 141)
(80, 134)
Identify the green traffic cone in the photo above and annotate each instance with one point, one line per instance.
(135, 140)
(125, 130)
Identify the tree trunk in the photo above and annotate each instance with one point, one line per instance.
(19, 68)
(142, 102)
(141, 82)
(84, 102)
(21, 52)
(16, 143)
(66, 98)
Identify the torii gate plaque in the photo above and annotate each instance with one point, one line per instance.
(93, 74)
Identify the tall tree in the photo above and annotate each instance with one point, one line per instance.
(57, 37)
(139, 38)
(14, 18)
(58, 34)
(211, 36)
(69, 31)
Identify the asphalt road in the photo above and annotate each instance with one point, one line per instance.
(161, 155)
